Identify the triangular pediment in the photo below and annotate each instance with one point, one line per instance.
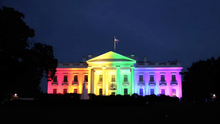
(111, 57)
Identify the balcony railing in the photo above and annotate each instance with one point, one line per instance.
(152, 83)
(162, 82)
(141, 83)
(162, 63)
(65, 83)
(125, 83)
(173, 83)
(100, 83)
(113, 80)
(71, 64)
(173, 63)
(157, 64)
(75, 83)
(54, 83)
(151, 63)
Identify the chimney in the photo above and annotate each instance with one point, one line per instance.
(84, 59)
(145, 59)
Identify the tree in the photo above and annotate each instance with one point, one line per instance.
(202, 78)
(22, 66)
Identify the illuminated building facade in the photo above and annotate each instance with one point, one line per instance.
(112, 74)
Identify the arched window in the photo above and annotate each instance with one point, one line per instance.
(151, 91)
(54, 91)
(100, 91)
(125, 91)
(141, 91)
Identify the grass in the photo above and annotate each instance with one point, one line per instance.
(162, 113)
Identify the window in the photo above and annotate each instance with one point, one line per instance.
(113, 78)
(125, 91)
(141, 78)
(86, 78)
(162, 78)
(173, 92)
(65, 78)
(75, 78)
(125, 78)
(75, 90)
(55, 78)
(64, 91)
(141, 92)
(100, 78)
(113, 93)
(173, 77)
(163, 91)
(54, 91)
(100, 91)
(151, 91)
(151, 77)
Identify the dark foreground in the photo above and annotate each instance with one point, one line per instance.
(175, 113)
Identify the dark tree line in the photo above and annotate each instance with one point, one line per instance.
(22, 64)
(202, 78)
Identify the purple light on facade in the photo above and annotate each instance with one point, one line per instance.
(168, 85)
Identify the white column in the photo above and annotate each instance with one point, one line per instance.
(104, 83)
(118, 80)
(132, 81)
(92, 81)
(89, 80)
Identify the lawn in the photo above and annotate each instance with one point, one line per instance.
(161, 113)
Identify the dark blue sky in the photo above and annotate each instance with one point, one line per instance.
(163, 30)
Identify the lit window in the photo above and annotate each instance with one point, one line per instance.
(113, 93)
(125, 91)
(163, 91)
(125, 78)
(113, 78)
(151, 91)
(86, 78)
(55, 79)
(100, 91)
(64, 91)
(162, 77)
(54, 91)
(75, 78)
(100, 78)
(65, 78)
(75, 90)
(151, 77)
(141, 92)
(173, 92)
(173, 77)
(141, 78)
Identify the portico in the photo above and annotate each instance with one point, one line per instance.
(107, 74)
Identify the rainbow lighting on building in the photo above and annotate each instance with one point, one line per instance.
(112, 74)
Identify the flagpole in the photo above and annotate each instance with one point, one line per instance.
(114, 43)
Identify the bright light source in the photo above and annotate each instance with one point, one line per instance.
(214, 95)
(15, 94)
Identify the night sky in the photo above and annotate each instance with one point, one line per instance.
(163, 30)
